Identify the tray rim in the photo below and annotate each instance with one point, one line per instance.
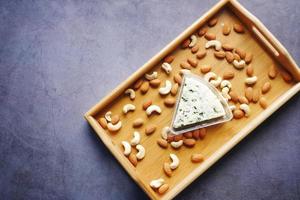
(284, 59)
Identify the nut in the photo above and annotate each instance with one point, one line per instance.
(147, 104)
(155, 184)
(177, 78)
(232, 107)
(238, 114)
(174, 89)
(162, 189)
(239, 64)
(185, 65)
(170, 101)
(185, 43)
(197, 158)
(243, 99)
(229, 56)
(241, 53)
(169, 59)
(193, 41)
(228, 75)
(238, 28)
(176, 145)
(138, 122)
(236, 56)
(192, 62)
(248, 58)
(137, 84)
(286, 76)
(227, 47)
(216, 82)
(152, 76)
(205, 68)
(266, 87)
(141, 152)
(188, 135)
(115, 119)
(131, 93)
(165, 132)
(246, 109)
(132, 159)
(212, 22)
(225, 93)
(107, 116)
(226, 83)
(219, 54)
(249, 93)
(256, 95)
(226, 29)
(145, 87)
(210, 36)
(263, 102)
(136, 138)
(175, 161)
(127, 148)
(153, 109)
(201, 54)
(184, 71)
(102, 121)
(195, 49)
(114, 127)
(202, 31)
(170, 138)
(166, 90)
(128, 107)
(272, 72)
(178, 137)
(210, 75)
(166, 67)
(214, 43)
(249, 70)
(167, 169)
(196, 134)
(251, 80)
(155, 83)
(202, 133)
(162, 143)
(189, 142)
(234, 96)
(150, 129)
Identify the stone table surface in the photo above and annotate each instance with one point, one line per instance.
(58, 58)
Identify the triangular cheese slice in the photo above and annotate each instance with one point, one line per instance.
(197, 103)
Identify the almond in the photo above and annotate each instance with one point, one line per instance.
(210, 36)
(243, 99)
(238, 114)
(185, 65)
(236, 56)
(286, 76)
(170, 138)
(150, 129)
(238, 28)
(188, 134)
(192, 62)
(197, 158)
(255, 96)
(132, 158)
(138, 122)
(177, 78)
(272, 72)
(263, 102)
(174, 89)
(155, 83)
(228, 75)
(178, 137)
(202, 31)
(229, 56)
(162, 189)
(169, 59)
(144, 87)
(189, 142)
(266, 87)
(162, 143)
(212, 22)
(196, 134)
(249, 93)
(219, 54)
(241, 53)
(195, 49)
(249, 70)
(115, 119)
(226, 29)
(227, 47)
(147, 104)
(167, 169)
(205, 68)
(201, 54)
(170, 101)
(248, 58)
(102, 121)
(234, 96)
(185, 43)
(202, 133)
(137, 84)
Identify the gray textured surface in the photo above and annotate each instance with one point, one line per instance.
(58, 58)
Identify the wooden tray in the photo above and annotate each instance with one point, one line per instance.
(220, 139)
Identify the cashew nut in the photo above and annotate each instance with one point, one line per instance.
(216, 82)
(127, 148)
(166, 90)
(193, 41)
(226, 83)
(175, 161)
(177, 144)
(155, 184)
(214, 43)
(244, 107)
(239, 64)
(128, 107)
(164, 133)
(151, 76)
(210, 75)
(136, 138)
(251, 80)
(232, 107)
(153, 108)
(184, 71)
(114, 127)
(166, 67)
(141, 152)
(107, 116)
(225, 92)
(131, 93)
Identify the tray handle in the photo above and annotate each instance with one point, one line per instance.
(275, 47)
